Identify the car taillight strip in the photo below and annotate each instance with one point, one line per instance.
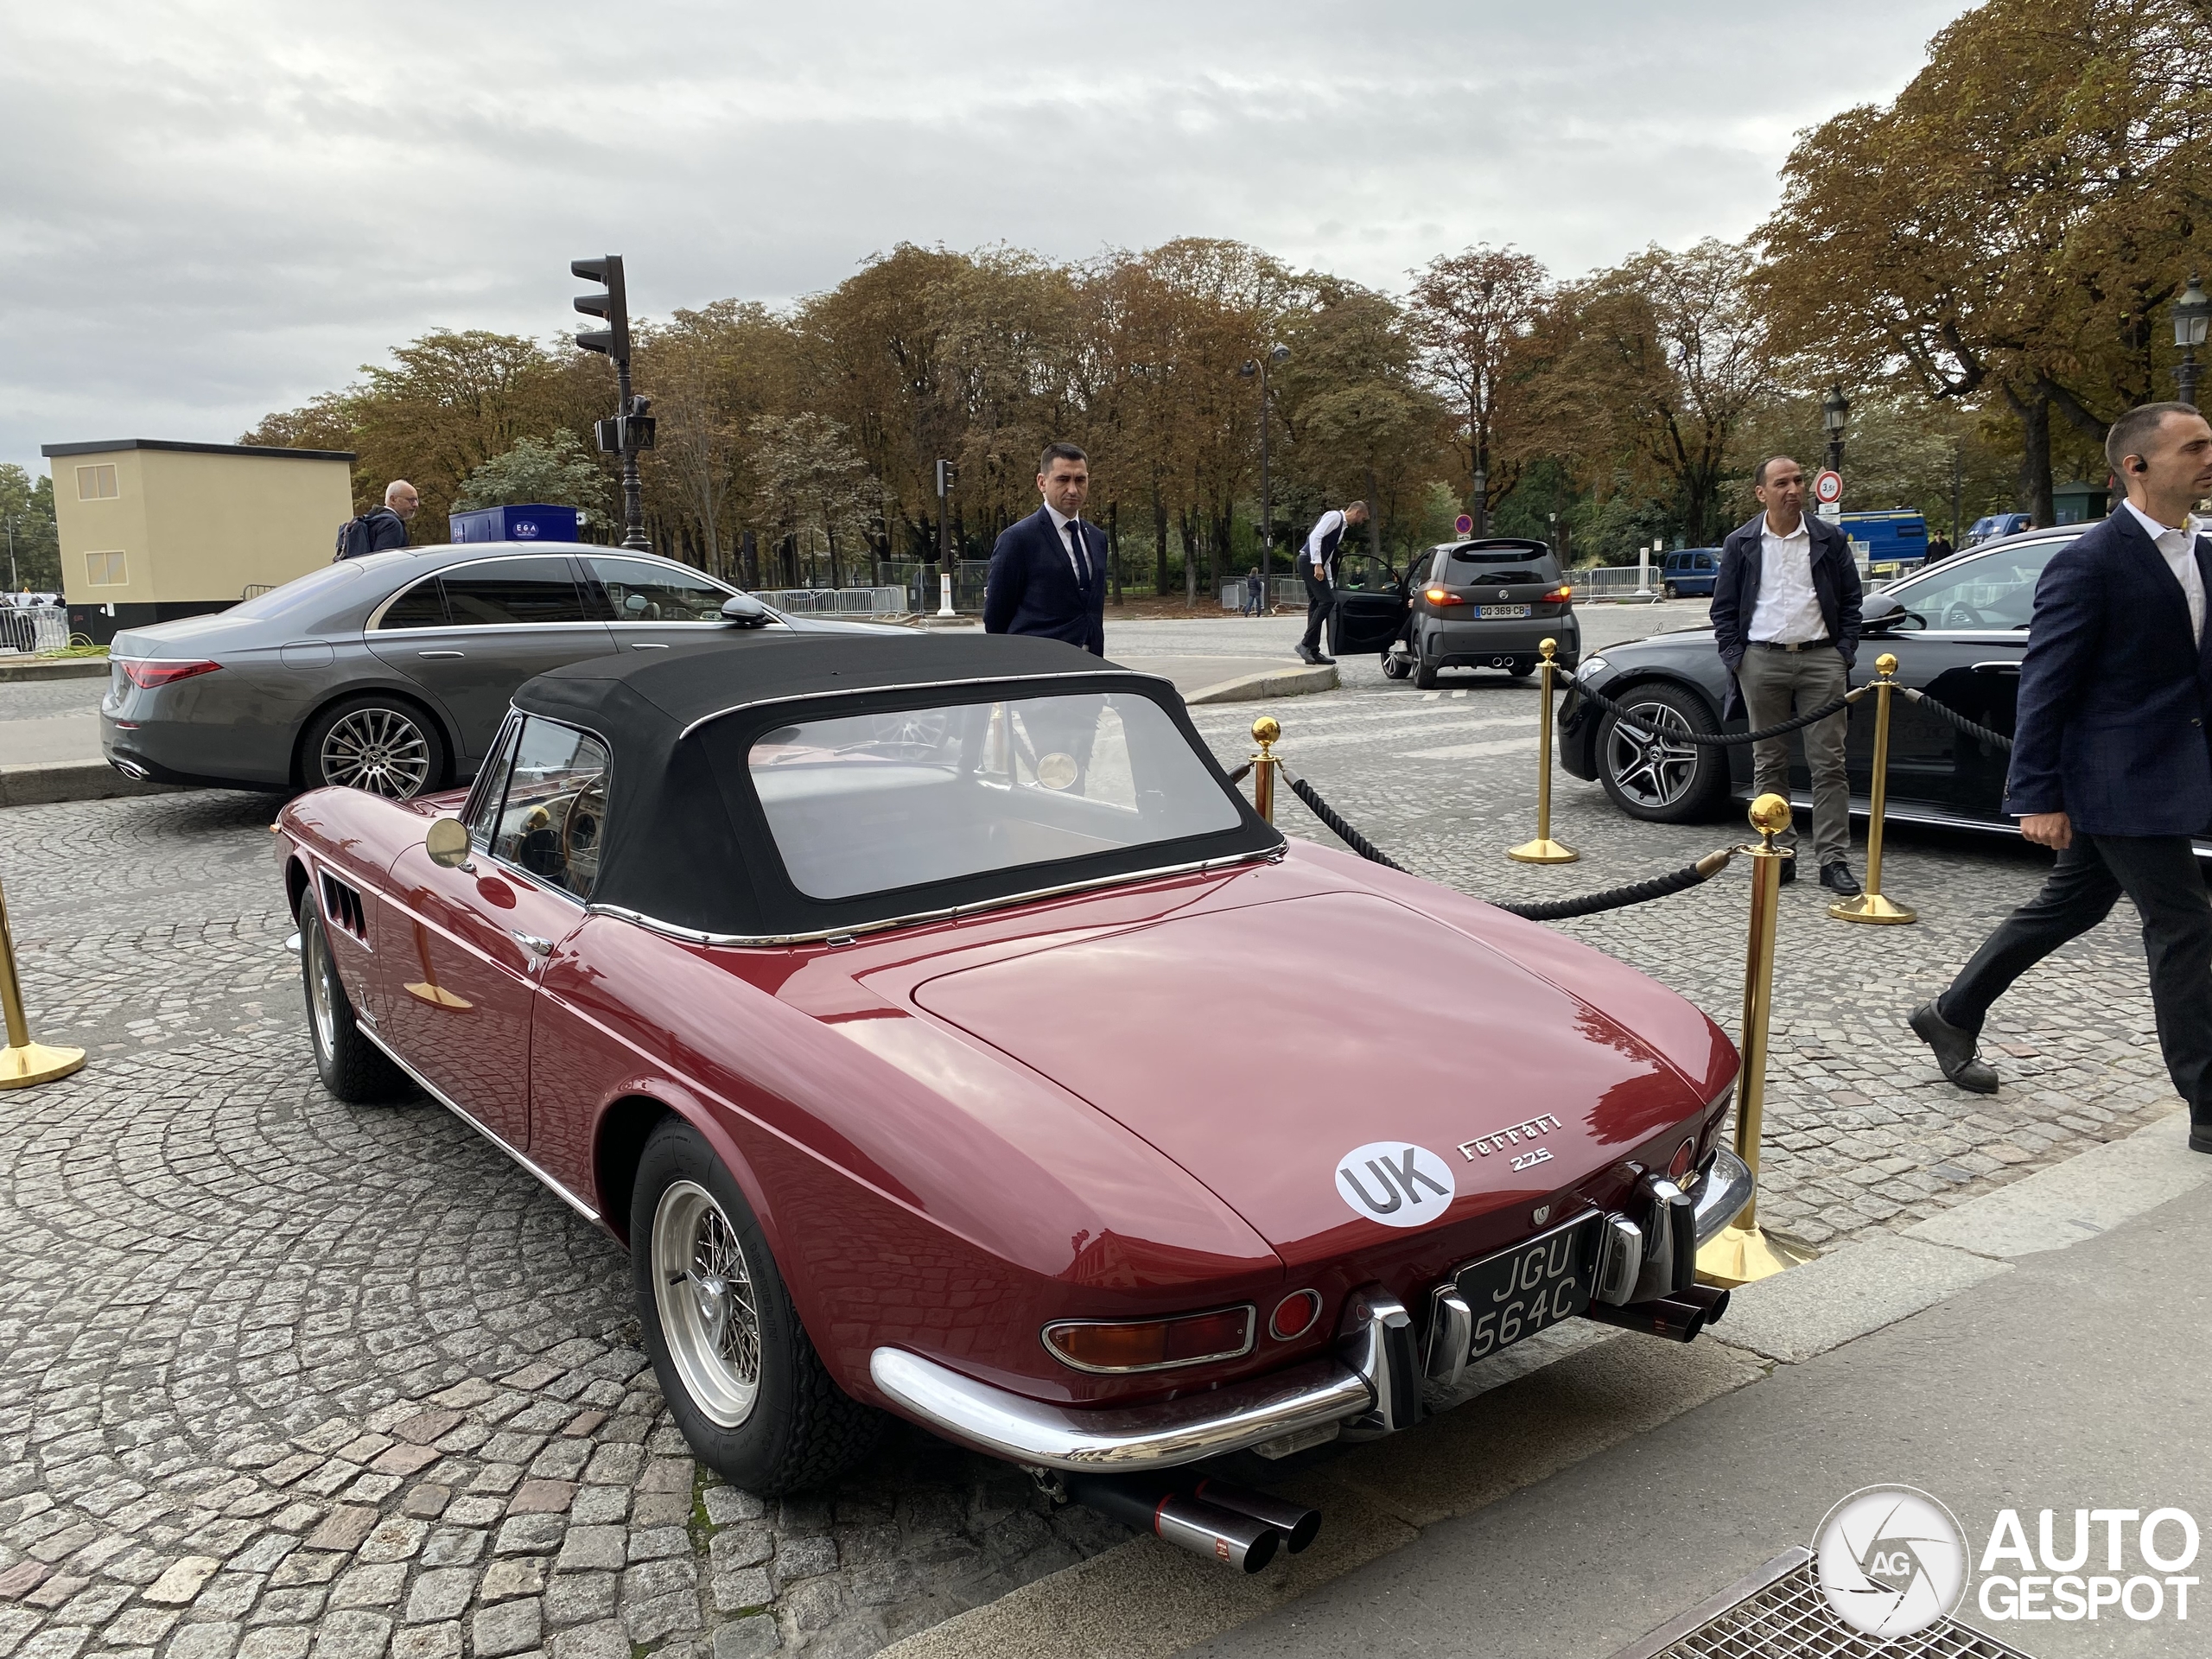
(1120, 1346)
(146, 672)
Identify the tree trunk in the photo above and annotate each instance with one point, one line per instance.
(1375, 517)
(2034, 413)
(1159, 542)
(1114, 549)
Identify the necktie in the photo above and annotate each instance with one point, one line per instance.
(1078, 552)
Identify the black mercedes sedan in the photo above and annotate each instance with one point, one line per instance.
(1958, 631)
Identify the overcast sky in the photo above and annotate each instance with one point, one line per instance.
(211, 211)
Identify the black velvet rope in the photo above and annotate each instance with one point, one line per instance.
(1589, 903)
(1945, 712)
(1711, 739)
(1241, 773)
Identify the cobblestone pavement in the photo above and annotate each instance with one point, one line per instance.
(287, 1379)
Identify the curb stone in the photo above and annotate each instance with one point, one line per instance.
(64, 667)
(43, 783)
(1268, 682)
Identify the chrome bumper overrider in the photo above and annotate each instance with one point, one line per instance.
(1371, 1387)
(1311, 1396)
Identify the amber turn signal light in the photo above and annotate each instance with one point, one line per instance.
(1559, 596)
(147, 674)
(1151, 1344)
(1439, 597)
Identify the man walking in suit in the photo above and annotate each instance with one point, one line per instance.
(1316, 564)
(1048, 572)
(1785, 618)
(2110, 763)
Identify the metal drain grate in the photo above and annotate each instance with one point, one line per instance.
(1779, 1613)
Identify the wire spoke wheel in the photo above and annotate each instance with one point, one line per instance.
(322, 990)
(1648, 763)
(708, 1311)
(380, 750)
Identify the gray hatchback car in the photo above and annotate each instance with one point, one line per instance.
(390, 672)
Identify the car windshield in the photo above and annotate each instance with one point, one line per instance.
(1996, 591)
(1475, 565)
(867, 803)
(314, 588)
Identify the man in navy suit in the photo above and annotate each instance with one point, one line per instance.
(1048, 572)
(2110, 761)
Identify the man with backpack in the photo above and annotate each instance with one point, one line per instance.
(380, 528)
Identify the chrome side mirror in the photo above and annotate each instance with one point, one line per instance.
(447, 842)
(743, 611)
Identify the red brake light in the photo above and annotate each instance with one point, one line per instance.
(1294, 1315)
(1438, 596)
(1151, 1344)
(1680, 1165)
(147, 673)
(1560, 596)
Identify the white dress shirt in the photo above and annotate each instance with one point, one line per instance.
(1788, 611)
(1325, 564)
(1060, 522)
(2179, 547)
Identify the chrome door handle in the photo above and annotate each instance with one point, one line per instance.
(531, 940)
(641, 645)
(441, 653)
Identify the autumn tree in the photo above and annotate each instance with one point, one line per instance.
(1471, 314)
(813, 492)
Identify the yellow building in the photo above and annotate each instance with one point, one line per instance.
(151, 530)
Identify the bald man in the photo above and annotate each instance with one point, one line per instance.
(381, 529)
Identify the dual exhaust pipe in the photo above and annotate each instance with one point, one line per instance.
(1678, 1318)
(1204, 1516)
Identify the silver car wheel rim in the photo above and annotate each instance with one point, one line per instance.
(702, 1290)
(1647, 764)
(380, 750)
(323, 994)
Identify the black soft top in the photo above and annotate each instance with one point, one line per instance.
(687, 845)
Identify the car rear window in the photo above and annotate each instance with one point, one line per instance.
(314, 588)
(871, 804)
(1500, 565)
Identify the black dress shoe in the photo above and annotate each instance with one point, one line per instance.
(1789, 871)
(1956, 1051)
(1306, 655)
(1325, 662)
(2199, 1137)
(1837, 878)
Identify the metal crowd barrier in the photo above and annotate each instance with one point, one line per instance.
(836, 601)
(32, 628)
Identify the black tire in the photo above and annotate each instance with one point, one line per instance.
(1656, 781)
(789, 1427)
(1668, 590)
(1424, 668)
(1521, 667)
(383, 743)
(352, 1067)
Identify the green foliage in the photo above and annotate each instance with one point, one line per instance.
(27, 523)
(555, 471)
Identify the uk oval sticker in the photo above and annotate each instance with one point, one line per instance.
(1395, 1183)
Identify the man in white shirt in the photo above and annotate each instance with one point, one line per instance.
(2111, 764)
(1316, 564)
(1785, 618)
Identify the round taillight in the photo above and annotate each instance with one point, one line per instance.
(1683, 1155)
(1294, 1315)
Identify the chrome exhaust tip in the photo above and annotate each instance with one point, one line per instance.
(130, 769)
(1677, 1317)
(1299, 1525)
(1222, 1534)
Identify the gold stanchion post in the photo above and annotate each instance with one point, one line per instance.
(1543, 850)
(1742, 1253)
(1265, 730)
(1869, 906)
(23, 1061)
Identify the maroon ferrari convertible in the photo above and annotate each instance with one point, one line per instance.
(893, 1000)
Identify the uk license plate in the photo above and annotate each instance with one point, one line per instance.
(1501, 610)
(1535, 1285)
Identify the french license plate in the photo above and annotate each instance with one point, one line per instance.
(1501, 610)
(1535, 1285)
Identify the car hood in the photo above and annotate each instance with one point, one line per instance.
(1260, 1046)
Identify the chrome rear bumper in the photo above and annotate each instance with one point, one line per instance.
(1722, 1192)
(1121, 1439)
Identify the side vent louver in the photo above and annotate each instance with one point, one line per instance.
(343, 906)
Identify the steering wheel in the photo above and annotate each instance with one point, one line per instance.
(580, 827)
(1958, 614)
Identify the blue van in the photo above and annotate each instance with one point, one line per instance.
(1993, 525)
(1688, 572)
(1888, 544)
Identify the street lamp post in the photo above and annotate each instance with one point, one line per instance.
(2190, 312)
(1278, 355)
(1482, 501)
(1835, 410)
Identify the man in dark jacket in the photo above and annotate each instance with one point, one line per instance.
(2110, 762)
(381, 529)
(1785, 617)
(1048, 572)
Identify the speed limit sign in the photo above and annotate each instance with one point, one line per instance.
(1827, 488)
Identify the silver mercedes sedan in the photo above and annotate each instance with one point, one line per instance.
(390, 672)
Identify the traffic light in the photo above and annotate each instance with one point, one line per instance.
(614, 340)
(634, 431)
(947, 476)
